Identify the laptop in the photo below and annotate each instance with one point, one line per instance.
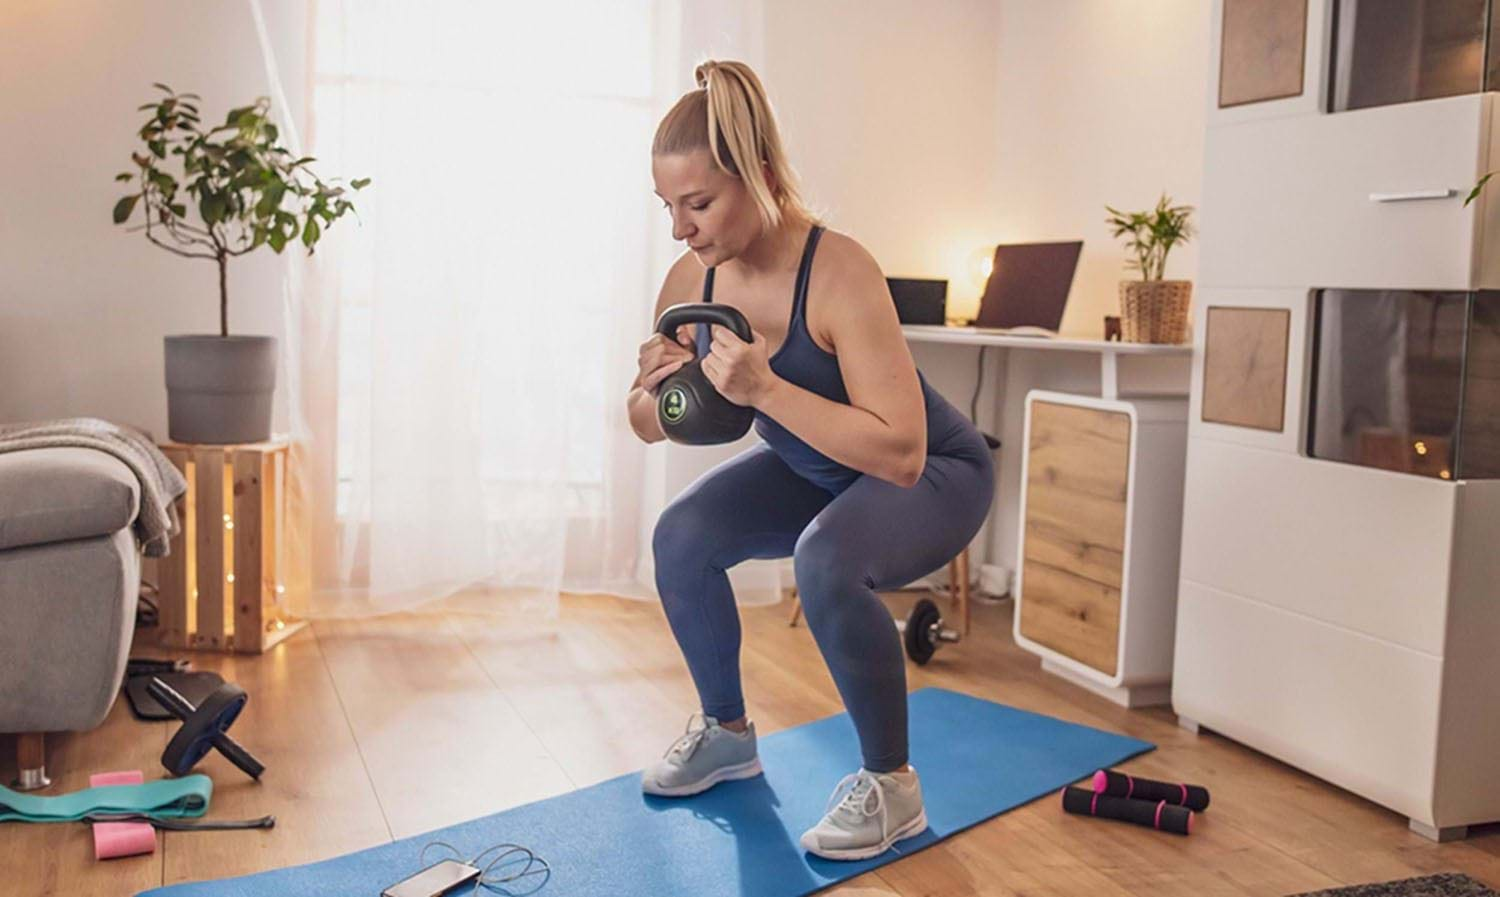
(1028, 288)
(919, 300)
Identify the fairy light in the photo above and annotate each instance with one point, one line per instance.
(1420, 446)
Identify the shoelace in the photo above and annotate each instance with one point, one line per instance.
(691, 738)
(862, 786)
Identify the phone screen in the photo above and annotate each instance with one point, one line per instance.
(434, 880)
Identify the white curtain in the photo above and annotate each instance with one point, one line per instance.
(457, 359)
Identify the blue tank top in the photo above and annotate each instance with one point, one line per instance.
(801, 361)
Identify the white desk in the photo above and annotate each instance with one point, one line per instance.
(1109, 353)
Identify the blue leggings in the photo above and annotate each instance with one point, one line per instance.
(873, 535)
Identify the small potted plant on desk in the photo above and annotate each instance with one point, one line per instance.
(1153, 310)
(248, 192)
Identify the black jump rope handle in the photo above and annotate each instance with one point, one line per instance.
(1118, 784)
(1151, 814)
(178, 706)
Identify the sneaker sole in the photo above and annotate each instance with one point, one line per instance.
(915, 827)
(748, 770)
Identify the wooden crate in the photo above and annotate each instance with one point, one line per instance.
(219, 588)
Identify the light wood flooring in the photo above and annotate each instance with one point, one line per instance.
(378, 729)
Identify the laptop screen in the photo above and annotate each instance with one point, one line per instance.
(1029, 285)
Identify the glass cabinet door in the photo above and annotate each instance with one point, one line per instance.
(1407, 381)
(1397, 51)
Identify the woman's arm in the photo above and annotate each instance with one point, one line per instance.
(883, 431)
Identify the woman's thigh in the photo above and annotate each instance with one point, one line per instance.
(750, 506)
(892, 535)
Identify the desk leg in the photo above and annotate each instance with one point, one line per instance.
(1109, 375)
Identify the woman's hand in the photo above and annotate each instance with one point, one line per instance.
(660, 357)
(740, 371)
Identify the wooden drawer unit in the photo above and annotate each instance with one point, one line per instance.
(1073, 542)
(1095, 593)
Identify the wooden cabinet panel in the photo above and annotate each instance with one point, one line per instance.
(1072, 567)
(1244, 367)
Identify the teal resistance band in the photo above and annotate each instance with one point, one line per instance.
(162, 799)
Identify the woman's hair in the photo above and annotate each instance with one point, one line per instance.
(730, 116)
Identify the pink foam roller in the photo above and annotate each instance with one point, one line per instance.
(121, 839)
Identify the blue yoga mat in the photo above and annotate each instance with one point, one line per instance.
(976, 759)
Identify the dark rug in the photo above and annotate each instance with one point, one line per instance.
(1448, 884)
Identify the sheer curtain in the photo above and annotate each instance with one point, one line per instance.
(457, 360)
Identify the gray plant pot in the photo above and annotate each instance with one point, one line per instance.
(219, 388)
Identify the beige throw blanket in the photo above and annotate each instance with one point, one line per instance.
(161, 482)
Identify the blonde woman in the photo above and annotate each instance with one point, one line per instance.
(864, 475)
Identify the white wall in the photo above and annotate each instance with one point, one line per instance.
(890, 111)
(929, 131)
(1100, 101)
(84, 304)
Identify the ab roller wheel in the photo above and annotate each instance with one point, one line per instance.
(204, 728)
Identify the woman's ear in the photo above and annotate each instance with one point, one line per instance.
(770, 177)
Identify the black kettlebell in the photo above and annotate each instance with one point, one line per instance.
(688, 407)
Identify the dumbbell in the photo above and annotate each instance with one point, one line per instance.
(923, 632)
(204, 727)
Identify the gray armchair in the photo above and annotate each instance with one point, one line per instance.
(69, 580)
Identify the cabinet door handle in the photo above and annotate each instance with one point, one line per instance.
(1412, 195)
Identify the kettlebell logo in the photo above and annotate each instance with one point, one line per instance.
(674, 405)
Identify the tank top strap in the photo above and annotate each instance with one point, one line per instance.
(700, 331)
(804, 274)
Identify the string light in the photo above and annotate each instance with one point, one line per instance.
(1420, 446)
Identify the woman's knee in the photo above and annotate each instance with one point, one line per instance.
(826, 564)
(684, 538)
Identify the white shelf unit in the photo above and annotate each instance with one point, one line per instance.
(1342, 618)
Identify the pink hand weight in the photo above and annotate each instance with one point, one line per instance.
(1119, 784)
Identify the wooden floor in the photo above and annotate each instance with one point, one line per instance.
(379, 729)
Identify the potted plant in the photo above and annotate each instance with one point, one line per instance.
(1153, 310)
(246, 191)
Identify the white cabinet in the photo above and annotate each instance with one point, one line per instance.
(1342, 618)
(1364, 199)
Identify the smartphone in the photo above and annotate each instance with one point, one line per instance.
(433, 881)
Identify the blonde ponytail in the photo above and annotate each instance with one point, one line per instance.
(730, 116)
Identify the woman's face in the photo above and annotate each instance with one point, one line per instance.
(711, 211)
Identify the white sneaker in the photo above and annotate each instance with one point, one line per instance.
(866, 815)
(703, 757)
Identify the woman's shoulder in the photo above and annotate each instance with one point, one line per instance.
(841, 254)
(844, 267)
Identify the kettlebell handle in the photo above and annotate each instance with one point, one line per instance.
(703, 313)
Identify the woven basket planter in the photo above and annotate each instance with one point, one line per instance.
(1155, 311)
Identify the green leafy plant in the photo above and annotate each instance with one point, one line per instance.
(247, 190)
(1151, 235)
(1474, 194)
